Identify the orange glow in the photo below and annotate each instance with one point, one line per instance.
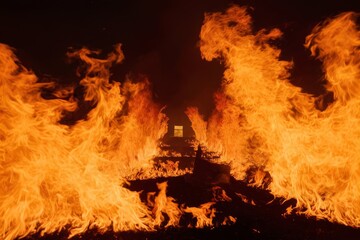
(164, 169)
(220, 195)
(167, 205)
(261, 121)
(53, 175)
(204, 214)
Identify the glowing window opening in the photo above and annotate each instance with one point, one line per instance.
(178, 131)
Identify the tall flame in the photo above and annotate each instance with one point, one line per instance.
(261, 120)
(54, 175)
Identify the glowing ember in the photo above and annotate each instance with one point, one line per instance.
(262, 121)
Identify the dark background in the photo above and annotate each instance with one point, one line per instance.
(160, 40)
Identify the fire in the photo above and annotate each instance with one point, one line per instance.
(204, 214)
(163, 204)
(264, 122)
(163, 169)
(54, 175)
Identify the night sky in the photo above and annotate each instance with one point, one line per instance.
(160, 40)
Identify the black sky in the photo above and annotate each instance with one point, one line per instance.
(159, 39)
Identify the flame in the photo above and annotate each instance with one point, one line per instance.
(168, 168)
(166, 205)
(264, 122)
(204, 214)
(54, 175)
(219, 194)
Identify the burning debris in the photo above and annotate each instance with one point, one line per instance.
(278, 153)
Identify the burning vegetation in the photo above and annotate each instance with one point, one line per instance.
(268, 134)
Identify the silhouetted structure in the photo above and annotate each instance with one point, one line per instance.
(208, 173)
(199, 152)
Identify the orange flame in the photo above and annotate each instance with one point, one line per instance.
(54, 175)
(204, 214)
(163, 169)
(261, 120)
(166, 205)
